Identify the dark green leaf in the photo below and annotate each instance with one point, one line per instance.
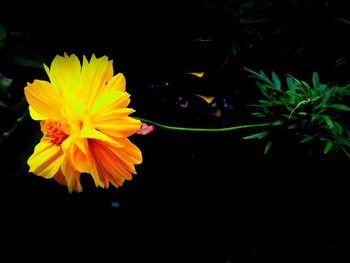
(258, 114)
(343, 21)
(303, 113)
(328, 146)
(3, 32)
(3, 105)
(307, 138)
(327, 120)
(315, 79)
(23, 61)
(267, 147)
(278, 122)
(339, 107)
(276, 80)
(343, 141)
(259, 135)
(338, 128)
(340, 62)
(262, 76)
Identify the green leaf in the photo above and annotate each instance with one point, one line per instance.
(276, 80)
(294, 84)
(259, 114)
(3, 35)
(338, 128)
(328, 146)
(339, 107)
(343, 21)
(3, 105)
(307, 138)
(315, 80)
(303, 113)
(343, 141)
(340, 62)
(343, 91)
(327, 120)
(5, 84)
(267, 147)
(3, 32)
(293, 126)
(278, 122)
(259, 135)
(27, 62)
(262, 76)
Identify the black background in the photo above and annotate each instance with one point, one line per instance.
(196, 197)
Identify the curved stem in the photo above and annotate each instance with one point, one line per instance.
(175, 128)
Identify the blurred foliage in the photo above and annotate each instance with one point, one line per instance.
(13, 107)
(312, 113)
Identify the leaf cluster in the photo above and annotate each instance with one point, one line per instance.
(312, 113)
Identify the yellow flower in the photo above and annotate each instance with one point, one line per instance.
(84, 119)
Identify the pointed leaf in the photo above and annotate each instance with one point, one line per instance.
(315, 79)
(267, 147)
(278, 122)
(338, 128)
(327, 120)
(328, 146)
(339, 107)
(259, 135)
(276, 80)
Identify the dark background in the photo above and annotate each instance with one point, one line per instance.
(196, 197)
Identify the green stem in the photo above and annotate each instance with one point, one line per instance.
(175, 128)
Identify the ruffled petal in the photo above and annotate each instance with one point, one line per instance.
(72, 176)
(46, 159)
(81, 159)
(94, 76)
(88, 131)
(112, 162)
(110, 115)
(43, 99)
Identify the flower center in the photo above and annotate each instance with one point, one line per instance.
(53, 131)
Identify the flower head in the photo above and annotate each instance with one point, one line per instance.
(85, 123)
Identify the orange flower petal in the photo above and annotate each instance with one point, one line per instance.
(46, 159)
(111, 162)
(59, 177)
(43, 99)
(88, 131)
(72, 177)
(122, 127)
